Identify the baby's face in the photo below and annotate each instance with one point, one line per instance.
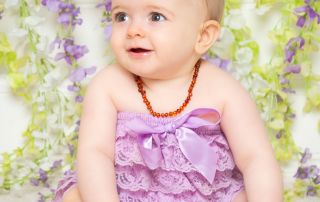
(152, 37)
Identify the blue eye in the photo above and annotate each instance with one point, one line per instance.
(157, 17)
(121, 17)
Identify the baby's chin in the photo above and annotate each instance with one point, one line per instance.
(140, 68)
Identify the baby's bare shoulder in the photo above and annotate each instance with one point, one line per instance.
(111, 79)
(221, 83)
(111, 75)
(116, 84)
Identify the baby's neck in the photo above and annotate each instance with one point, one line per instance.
(176, 83)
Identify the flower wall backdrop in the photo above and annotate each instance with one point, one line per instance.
(45, 70)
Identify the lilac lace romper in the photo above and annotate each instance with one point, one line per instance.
(181, 159)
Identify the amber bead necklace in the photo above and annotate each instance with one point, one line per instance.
(181, 108)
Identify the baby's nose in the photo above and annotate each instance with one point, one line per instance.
(135, 30)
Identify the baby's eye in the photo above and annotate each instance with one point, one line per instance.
(121, 17)
(157, 17)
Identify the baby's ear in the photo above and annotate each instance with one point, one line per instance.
(209, 33)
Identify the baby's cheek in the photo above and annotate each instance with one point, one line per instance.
(115, 44)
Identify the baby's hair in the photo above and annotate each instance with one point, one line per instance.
(215, 9)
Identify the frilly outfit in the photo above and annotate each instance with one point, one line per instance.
(179, 159)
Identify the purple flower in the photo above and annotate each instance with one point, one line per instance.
(80, 73)
(56, 164)
(73, 88)
(283, 80)
(314, 171)
(288, 90)
(311, 191)
(79, 98)
(43, 177)
(301, 21)
(42, 198)
(306, 156)
(279, 135)
(71, 149)
(292, 116)
(294, 69)
(107, 5)
(77, 75)
(307, 172)
(306, 14)
(222, 63)
(71, 51)
(316, 180)
(52, 5)
(34, 182)
(57, 41)
(302, 173)
(292, 46)
(68, 13)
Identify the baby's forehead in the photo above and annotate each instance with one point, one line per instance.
(193, 4)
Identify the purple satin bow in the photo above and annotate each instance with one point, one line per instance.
(196, 149)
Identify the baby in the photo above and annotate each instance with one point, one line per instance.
(162, 124)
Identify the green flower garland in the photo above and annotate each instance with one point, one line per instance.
(50, 138)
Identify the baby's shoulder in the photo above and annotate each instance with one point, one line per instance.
(220, 83)
(111, 78)
(116, 84)
(112, 74)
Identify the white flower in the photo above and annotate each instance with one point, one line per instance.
(244, 55)
(29, 164)
(69, 130)
(43, 43)
(33, 20)
(40, 99)
(223, 47)
(17, 37)
(17, 32)
(262, 9)
(37, 134)
(41, 108)
(39, 143)
(259, 82)
(241, 69)
(46, 163)
(16, 187)
(55, 76)
(23, 171)
(29, 69)
(235, 19)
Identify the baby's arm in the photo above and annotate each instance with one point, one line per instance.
(249, 143)
(95, 157)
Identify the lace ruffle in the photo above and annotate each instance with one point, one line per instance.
(64, 185)
(139, 178)
(222, 195)
(128, 154)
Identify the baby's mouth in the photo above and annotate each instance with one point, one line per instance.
(139, 50)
